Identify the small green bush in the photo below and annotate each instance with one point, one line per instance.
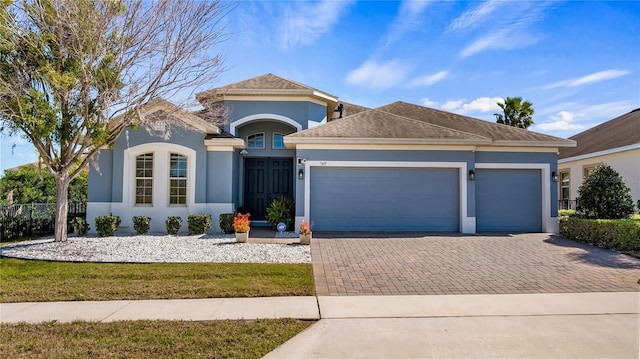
(107, 225)
(199, 223)
(603, 195)
(620, 234)
(566, 212)
(141, 224)
(79, 225)
(226, 222)
(281, 209)
(173, 224)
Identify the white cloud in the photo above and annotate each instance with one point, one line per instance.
(589, 79)
(408, 19)
(378, 76)
(429, 80)
(428, 103)
(481, 104)
(470, 19)
(309, 21)
(562, 121)
(452, 105)
(504, 39)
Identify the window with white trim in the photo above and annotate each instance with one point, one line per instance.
(144, 179)
(565, 185)
(278, 141)
(255, 140)
(177, 179)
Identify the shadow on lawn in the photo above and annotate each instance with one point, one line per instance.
(595, 255)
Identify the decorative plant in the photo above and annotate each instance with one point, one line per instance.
(241, 223)
(226, 222)
(107, 225)
(604, 195)
(305, 228)
(281, 209)
(141, 224)
(199, 223)
(79, 225)
(173, 224)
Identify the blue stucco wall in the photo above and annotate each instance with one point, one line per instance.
(299, 111)
(219, 177)
(100, 178)
(268, 128)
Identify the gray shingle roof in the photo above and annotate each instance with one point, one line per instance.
(619, 132)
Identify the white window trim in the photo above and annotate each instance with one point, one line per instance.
(264, 140)
(263, 116)
(273, 141)
(161, 160)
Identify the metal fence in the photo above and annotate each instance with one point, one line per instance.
(21, 220)
(567, 203)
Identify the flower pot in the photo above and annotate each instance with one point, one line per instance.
(305, 238)
(242, 237)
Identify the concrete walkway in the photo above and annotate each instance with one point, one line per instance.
(572, 325)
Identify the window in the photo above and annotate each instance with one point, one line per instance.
(255, 141)
(177, 179)
(587, 170)
(278, 141)
(564, 185)
(144, 179)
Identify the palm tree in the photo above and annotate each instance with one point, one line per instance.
(516, 113)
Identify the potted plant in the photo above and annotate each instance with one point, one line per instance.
(80, 226)
(305, 232)
(241, 225)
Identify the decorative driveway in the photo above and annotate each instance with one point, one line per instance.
(428, 264)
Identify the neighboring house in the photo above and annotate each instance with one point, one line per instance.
(615, 143)
(400, 167)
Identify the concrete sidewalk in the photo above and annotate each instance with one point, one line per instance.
(174, 309)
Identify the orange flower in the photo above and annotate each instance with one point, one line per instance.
(305, 228)
(241, 223)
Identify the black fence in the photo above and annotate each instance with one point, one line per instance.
(567, 203)
(22, 220)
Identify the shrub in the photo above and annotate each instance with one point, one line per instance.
(173, 224)
(107, 225)
(226, 222)
(141, 224)
(79, 225)
(199, 223)
(566, 212)
(281, 209)
(622, 235)
(603, 195)
(241, 223)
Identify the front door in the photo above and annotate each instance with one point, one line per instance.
(266, 179)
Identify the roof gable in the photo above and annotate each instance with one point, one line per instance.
(619, 132)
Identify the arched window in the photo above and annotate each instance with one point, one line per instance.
(177, 179)
(255, 140)
(144, 179)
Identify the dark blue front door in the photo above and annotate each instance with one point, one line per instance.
(266, 179)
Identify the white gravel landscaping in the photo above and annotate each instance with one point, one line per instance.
(158, 248)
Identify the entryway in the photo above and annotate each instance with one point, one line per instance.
(266, 178)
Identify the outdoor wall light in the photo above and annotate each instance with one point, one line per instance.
(554, 176)
(244, 152)
(301, 174)
(472, 175)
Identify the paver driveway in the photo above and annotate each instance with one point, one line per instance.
(404, 264)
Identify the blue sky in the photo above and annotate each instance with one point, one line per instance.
(577, 62)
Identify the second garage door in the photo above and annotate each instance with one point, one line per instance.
(508, 200)
(384, 199)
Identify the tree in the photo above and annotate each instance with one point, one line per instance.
(29, 184)
(603, 195)
(516, 113)
(74, 74)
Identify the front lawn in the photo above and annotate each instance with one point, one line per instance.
(33, 281)
(147, 339)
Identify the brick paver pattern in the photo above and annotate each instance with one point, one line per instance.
(457, 264)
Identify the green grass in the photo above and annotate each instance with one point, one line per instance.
(32, 281)
(147, 339)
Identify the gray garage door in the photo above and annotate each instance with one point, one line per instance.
(384, 199)
(508, 201)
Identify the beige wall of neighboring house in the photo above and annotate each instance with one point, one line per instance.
(625, 160)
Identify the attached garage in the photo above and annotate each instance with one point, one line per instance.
(508, 200)
(385, 199)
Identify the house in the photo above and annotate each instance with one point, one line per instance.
(399, 167)
(615, 143)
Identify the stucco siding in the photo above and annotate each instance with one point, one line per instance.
(626, 163)
(219, 177)
(99, 189)
(299, 111)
